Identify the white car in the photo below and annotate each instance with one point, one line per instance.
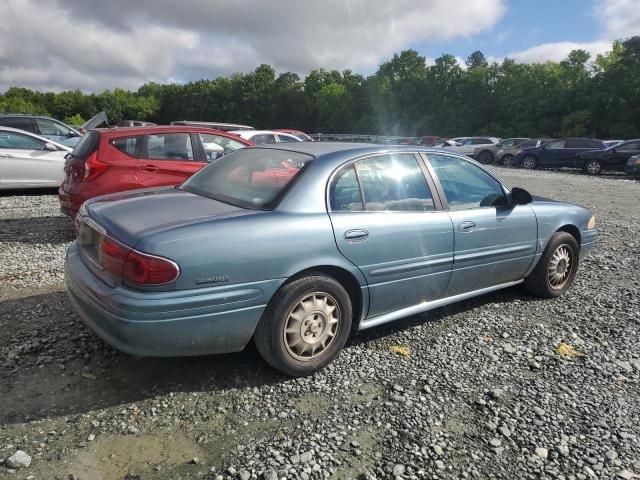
(260, 137)
(30, 161)
(469, 144)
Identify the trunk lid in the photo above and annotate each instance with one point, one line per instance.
(130, 216)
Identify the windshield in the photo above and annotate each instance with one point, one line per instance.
(249, 178)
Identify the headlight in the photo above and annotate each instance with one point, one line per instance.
(635, 160)
(83, 210)
(592, 222)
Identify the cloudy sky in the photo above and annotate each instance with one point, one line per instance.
(98, 44)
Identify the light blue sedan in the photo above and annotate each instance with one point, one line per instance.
(296, 246)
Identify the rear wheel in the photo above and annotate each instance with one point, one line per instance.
(507, 160)
(485, 157)
(305, 325)
(530, 162)
(593, 167)
(556, 269)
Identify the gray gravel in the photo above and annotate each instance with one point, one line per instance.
(482, 392)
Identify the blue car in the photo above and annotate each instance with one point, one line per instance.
(299, 245)
(557, 154)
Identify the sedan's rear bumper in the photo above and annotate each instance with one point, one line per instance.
(179, 323)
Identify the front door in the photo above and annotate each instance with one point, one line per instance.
(168, 159)
(494, 243)
(387, 222)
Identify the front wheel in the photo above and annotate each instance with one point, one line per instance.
(556, 269)
(507, 160)
(529, 162)
(305, 325)
(593, 167)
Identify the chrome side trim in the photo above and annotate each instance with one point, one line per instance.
(410, 267)
(425, 306)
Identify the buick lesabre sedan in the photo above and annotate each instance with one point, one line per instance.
(296, 247)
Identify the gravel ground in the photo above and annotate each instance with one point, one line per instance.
(476, 390)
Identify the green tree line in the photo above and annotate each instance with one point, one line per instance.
(579, 96)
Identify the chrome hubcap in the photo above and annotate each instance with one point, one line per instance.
(593, 167)
(560, 267)
(528, 162)
(507, 160)
(312, 326)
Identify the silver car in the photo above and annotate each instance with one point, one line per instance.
(30, 161)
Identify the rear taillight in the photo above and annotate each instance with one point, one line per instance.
(93, 167)
(135, 267)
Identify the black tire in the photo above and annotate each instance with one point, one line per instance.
(529, 162)
(539, 281)
(270, 334)
(507, 160)
(485, 157)
(593, 167)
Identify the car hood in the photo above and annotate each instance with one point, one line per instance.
(131, 216)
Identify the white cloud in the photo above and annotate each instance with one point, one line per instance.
(556, 52)
(620, 18)
(97, 44)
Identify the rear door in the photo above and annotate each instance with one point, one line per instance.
(168, 158)
(552, 154)
(572, 147)
(495, 243)
(24, 162)
(387, 221)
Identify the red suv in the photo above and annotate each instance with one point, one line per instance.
(114, 160)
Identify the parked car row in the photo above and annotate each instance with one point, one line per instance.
(590, 155)
(133, 154)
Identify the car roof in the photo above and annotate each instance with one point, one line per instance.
(162, 128)
(33, 135)
(349, 149)
(257, 132)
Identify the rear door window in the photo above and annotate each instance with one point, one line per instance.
(128, 145)
(576, 143)
(169, 146)
(17, 141)
(49, 127)
(22, 123)
(263, 138)
(556, 145)
(394, 183)
(286, 139)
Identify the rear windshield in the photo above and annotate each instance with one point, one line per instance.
(87, 145)
(249, 178)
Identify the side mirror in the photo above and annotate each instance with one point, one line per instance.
(519, 196)
(50, 147)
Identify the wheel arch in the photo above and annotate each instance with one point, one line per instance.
(357, 294)
(571, 230)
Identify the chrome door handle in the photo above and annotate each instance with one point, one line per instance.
(467, 226)
(356, 235)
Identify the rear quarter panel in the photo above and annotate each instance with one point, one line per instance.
(266, 246)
